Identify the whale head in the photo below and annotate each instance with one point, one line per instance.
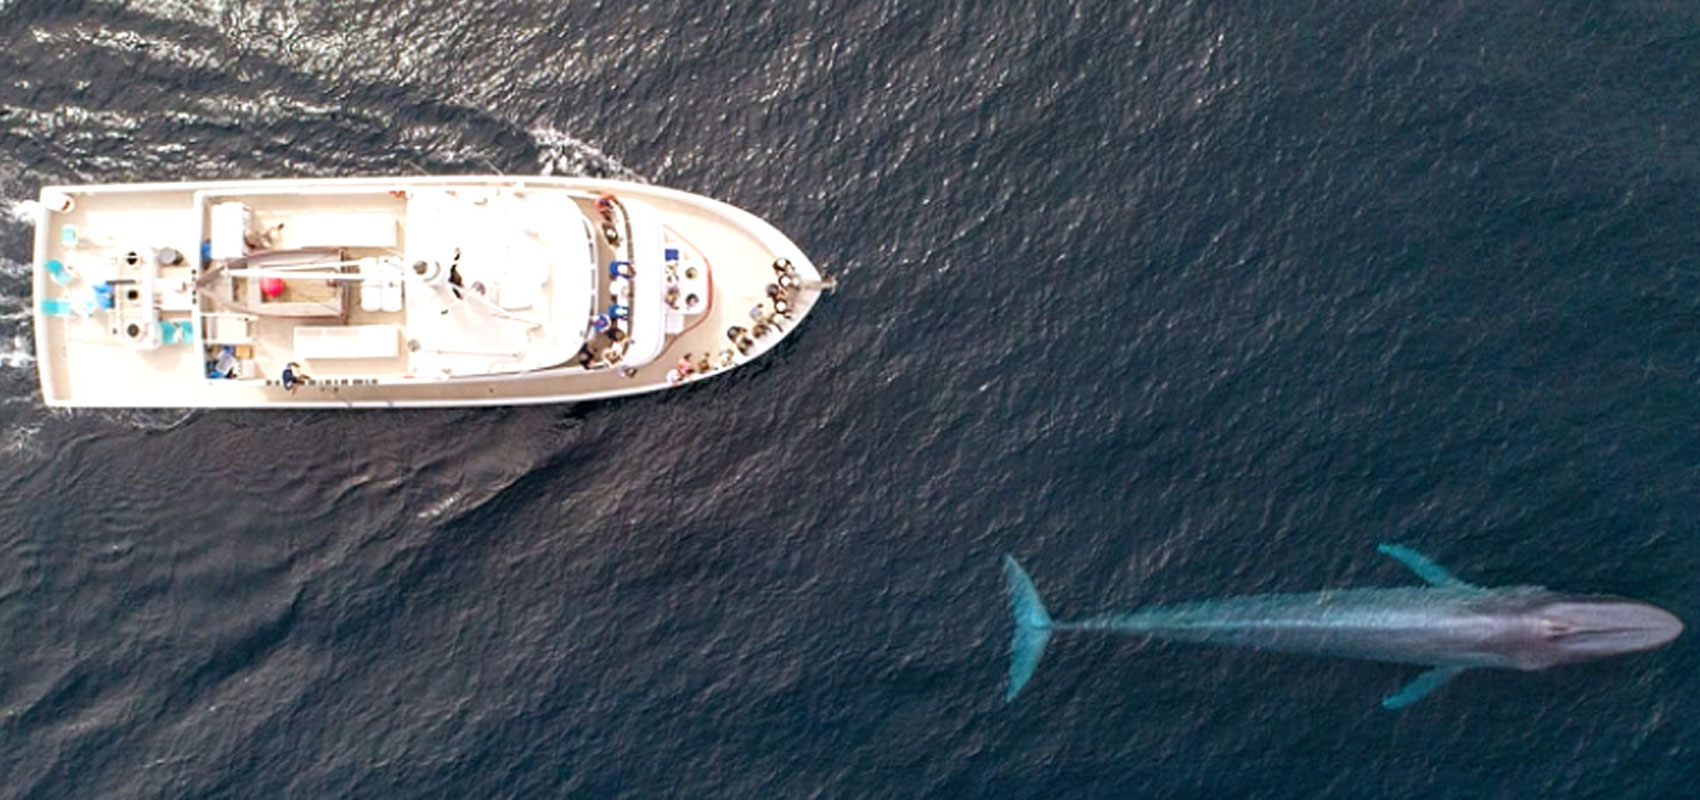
(1572, 629)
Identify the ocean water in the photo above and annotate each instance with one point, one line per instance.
(1170, 300)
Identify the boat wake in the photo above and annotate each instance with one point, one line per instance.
(560, 153)
(21, 211)
(17, 349)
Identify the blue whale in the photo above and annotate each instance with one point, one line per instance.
(1449, 625)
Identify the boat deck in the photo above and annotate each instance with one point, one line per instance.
(85, 361)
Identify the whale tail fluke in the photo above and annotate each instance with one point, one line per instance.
(1032, 627)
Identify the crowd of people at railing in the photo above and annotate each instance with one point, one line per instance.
(611, 337)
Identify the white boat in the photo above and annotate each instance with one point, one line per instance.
(384, 292)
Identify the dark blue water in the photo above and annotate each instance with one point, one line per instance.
(1168, 299)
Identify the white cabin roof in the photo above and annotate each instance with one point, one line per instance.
(525, 281)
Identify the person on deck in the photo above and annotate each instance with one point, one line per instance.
(293, 377)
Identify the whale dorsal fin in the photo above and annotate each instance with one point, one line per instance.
(1424, 567)
(1422, 685)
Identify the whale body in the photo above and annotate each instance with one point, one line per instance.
(1450, 626)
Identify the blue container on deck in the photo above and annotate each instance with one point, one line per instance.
(56, 270)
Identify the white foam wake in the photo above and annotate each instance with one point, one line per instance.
(561, 153)
(17, 351)
(23, 211)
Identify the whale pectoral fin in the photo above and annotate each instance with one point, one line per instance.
(1424, 683)
(1424, 566)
